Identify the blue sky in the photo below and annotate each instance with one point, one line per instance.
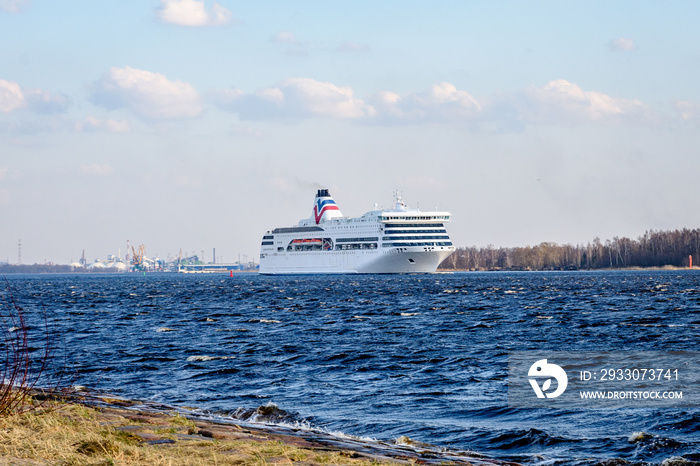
(185, 124)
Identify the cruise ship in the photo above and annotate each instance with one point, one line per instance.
(398, 240)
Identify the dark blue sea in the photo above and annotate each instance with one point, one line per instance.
(423, 356)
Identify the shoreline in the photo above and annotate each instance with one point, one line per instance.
(621, 269)
(119, 431)
(665, 268)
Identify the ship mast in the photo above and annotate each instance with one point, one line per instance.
(398, 200)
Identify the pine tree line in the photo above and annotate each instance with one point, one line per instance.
(653, 249)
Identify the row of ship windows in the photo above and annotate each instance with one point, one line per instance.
(356, 245)
(353, 246)
(414, 225)
(374, 238)
(393, 232)
(338, 247)
(391, 229)
(443, 243)
(394, 238)
(384, 218)
(352, 240)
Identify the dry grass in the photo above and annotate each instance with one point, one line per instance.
(70, 434)
(24, 366)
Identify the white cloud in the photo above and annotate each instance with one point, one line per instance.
(389, 98)
(687, 110)
(3, 173)
(11, 96)
(558, 102)
(92, 123)
(13, 6)
(292, 45)
(193, 13)
(622, 44)
(45, 102)
(96, 169)
(286, 37)
(447, 93)
(297, 98)
(448, 100)
(443, 102)
(323, 98)
(149, 95)
(561, 100)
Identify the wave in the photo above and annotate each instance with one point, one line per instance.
(647, 441)
(516, 439)
(268, 413)
(214, 373)
(208, 358)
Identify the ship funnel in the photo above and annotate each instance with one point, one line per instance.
(325, 207)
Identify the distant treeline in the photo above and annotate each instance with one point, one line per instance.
(49, 268)
(653, 249)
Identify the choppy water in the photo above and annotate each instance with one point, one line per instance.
(380, 356)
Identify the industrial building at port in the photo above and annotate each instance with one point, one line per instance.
(138, 261)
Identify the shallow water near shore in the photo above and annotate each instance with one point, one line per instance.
(379, 356)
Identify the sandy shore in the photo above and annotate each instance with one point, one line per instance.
(81, 429)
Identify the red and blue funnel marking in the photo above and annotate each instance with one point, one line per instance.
(325, 207)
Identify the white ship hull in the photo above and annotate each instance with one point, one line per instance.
(376, 261)
(381, 241)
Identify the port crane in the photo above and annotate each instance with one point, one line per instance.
(138, 257)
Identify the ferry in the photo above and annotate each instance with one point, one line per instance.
(398, 240)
